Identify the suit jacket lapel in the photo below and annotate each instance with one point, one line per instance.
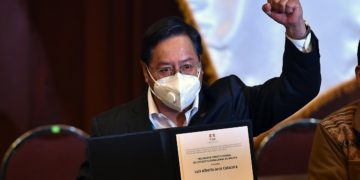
(140, 113)
(199, 116)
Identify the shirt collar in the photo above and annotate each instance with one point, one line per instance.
(159, 121)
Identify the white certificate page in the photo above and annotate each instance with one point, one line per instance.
(215, 154)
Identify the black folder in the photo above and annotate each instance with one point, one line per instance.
(145, 155)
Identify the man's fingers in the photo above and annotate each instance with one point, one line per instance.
(289, 9)
(281, 6)
(278, 5)
(285, 12)
(267, 8)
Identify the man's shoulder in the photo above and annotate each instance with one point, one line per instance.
(124, 109)
(124, 118)
(227, 82)
(339, 126)
(341, 117)
(228, 79)
(223, 88)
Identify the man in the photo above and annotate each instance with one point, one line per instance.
(336, 147)
(171, 64)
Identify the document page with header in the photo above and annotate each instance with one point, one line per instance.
(215, 154)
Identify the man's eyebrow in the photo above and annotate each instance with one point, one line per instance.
(186, 60)
(165, 62)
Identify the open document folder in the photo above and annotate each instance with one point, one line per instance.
(216, 151)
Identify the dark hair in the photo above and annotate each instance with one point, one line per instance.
(164, 29)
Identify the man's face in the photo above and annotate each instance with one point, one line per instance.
(175, 53)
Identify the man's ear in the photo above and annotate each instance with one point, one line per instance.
(145, 72)
(202, 68)
(201, 75)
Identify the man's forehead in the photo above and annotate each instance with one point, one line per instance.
(179, 42)
(176, 49)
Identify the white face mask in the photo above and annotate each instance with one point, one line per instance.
(177, 91)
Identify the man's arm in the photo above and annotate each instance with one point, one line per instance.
(300, 80)
(280, 97)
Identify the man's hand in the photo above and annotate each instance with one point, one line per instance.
(288, 13)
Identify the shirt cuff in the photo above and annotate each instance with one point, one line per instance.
(303, 45)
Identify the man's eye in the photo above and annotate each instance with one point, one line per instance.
(165, 70)
(187, 66)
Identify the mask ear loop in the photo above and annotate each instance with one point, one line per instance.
(152, 78)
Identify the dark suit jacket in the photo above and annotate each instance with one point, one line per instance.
(229, 99)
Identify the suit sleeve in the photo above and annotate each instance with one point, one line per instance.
(282, 96)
